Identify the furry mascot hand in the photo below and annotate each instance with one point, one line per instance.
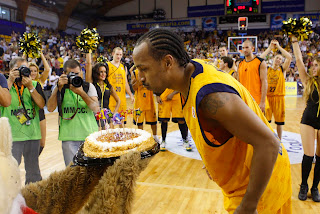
(95, 190)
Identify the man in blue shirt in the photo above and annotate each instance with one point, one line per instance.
(5, 97)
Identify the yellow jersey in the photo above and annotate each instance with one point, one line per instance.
(229, 162)
(249, 77)
(143, 98)
(231, 72)
(117, 78)
(276, 82)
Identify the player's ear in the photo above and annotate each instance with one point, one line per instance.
(168, 60)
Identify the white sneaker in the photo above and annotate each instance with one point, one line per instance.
(187, 145)
(163, 146)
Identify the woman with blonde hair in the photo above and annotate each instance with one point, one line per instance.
(35, 75)
(310, 123)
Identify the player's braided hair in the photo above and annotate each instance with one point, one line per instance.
(162, 42)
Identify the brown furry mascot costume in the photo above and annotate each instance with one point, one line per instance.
(94, 190)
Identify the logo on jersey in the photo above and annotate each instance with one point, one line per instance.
(193, 112)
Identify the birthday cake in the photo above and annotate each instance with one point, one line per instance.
(116, 142)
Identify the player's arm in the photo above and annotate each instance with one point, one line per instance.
(128, 87)
(221, 108)
(46, 71)
(170, 96)
(117, 99)
(264, 84)
(288, 57)
(267, 51)
(299, 62)
(88, 68)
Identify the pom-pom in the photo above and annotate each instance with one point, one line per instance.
(30, 45)
(300, 28)
(88, 40)
(102, 59)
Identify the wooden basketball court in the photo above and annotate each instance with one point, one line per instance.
(176, 184)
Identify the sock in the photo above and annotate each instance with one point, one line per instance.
(184, 130)
(316, 177)
(155, 137)
(164, 128)
(306, 168)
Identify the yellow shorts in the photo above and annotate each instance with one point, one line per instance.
(171, 108)
(148, 116)
(277, 108)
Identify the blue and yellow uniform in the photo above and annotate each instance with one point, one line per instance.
(275, 95)
(117, 78)
(229, 162)
(170, 108)
(143, 100)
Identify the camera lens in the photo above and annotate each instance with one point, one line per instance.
(76, 81)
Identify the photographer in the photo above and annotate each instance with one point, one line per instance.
(23, 114)
(77, 102)
(5, 97)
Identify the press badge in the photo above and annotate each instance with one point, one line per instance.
(21, 115)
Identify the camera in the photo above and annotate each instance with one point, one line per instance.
(74, 79)
(24, 71)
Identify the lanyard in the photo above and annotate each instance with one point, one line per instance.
(19, 92)
(20, 97)
(102, 91)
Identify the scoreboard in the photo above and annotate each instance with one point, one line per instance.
(234, 7)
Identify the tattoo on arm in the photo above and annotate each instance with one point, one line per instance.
(212, 102)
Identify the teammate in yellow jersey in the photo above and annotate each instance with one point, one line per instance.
(145, 102)
(170, 107)
(226, 65)
(223, 51)
(118, 79)
(276, 84)
(237, 144)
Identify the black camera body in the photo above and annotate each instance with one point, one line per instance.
(74, 80)
(24, 71)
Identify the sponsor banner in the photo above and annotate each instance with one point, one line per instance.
(291, 88)
(282, 6)
(148, 25)
(276, 20)
(208, 10)
(209, 23)
(314, 17)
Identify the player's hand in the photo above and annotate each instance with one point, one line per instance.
(27, 82)
(262, 107)
(241, 210)
(77, 90)
(276, 43)
(159, 100)
(63, 80)
(14, 73)
(170, 96)
(132, 98)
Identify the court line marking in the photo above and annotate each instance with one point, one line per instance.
(178, 187)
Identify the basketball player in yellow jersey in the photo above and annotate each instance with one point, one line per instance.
(237, 144)
(118, 79)
(252, 73)
(170, 107)
(276, 85)
(145, 102)
(223, 51)
(226, 65)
